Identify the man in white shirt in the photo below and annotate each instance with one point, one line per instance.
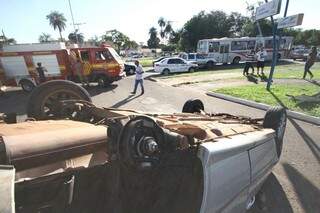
(139, 78)
(261, 55)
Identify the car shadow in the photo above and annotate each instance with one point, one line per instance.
(307, 193)
(96, 90)
(315, 149)
(271, 198)
(131, 97)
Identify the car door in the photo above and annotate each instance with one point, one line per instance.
(262, 159)
(182, 65)
(226, 169)
(171, 65)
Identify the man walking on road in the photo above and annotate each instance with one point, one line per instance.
(309, 63)
(139, 78)
(40, 69)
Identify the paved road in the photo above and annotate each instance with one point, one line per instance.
(295, 183)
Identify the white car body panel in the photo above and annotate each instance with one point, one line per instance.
(234, 168)
(173, 68)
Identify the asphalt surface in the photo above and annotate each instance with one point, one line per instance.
(294, 185)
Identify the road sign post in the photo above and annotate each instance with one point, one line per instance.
(269, 9)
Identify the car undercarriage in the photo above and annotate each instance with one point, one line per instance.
(75, 157)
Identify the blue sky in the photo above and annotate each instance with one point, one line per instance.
(25, 20)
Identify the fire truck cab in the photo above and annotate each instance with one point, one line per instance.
(98, 64)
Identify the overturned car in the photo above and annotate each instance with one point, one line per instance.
(70, 156)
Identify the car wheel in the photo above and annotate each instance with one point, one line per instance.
(44, 101)
(210, 64)
(102, 81)
(141, 144)
(191, 69)
(192, 106)
(276, 119)
(236, 60)
(131, 71)
(166, 72)
(27, 85)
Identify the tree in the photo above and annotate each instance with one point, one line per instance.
(165, 28)
(76, 37)
(131, 45)
(215, 24)
(162, 24)
(45, 38)
(57, 21)
(237, 22)
(153, 41)
(117, 38)
(6, 41)
(94, 41)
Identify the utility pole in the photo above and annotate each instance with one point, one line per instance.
(74, 26)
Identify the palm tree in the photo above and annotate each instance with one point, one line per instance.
(57, 21)
(76, 37)
(168, 29)
(162, 24)
(45, 37)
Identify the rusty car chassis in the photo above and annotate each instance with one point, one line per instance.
(89, 159)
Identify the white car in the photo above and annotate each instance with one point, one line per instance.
(175, 64)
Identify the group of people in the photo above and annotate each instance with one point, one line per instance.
(261, 55)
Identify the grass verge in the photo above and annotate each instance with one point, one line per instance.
(277, 96)
(291, 70)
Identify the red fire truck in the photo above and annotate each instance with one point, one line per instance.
(18, 64)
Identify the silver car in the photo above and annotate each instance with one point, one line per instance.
(74, 157)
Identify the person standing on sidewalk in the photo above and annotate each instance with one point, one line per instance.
(261, 56)
(309, 63)
(139, 78)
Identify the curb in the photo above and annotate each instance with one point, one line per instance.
(292, 114)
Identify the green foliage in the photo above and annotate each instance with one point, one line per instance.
(57, 21)
(94, 40)
(76, 37)
(120, 40)
(153, 41)
(45, 38)
(215, 24)
(281, 92)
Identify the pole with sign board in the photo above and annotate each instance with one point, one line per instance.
(269, 9)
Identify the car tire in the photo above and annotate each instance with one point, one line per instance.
(210, 64)
(236, 60)
(27, 85)
(131, 71)
(166, 72)
(192, 106)
(102, 81)
(276, 119)
(53, 90)
(191, 69)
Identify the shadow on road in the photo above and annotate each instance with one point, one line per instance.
(308, 194)
(96, 90)
(124, 101)
(314, 82)
(272, 198)
(315, 149)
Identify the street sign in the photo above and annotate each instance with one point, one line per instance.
(290, 21)
(268, 9)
